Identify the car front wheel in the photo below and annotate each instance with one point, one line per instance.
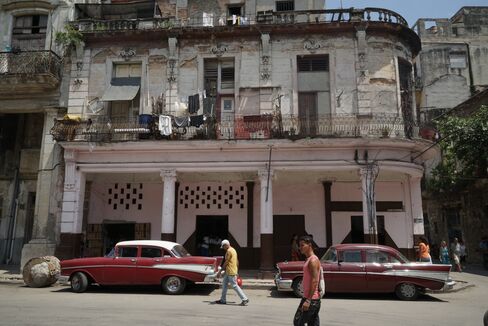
(297, 287)
(173, 285)
(79, 282)
(407, 291)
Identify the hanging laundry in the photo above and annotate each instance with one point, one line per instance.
(197, 120)
(193, 103)
(181, 121)
(165, 125)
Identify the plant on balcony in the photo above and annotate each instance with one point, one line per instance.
(71, 38)
(465, 160)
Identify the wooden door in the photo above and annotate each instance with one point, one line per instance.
(307, 113)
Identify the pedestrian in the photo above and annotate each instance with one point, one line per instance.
(230, 269)
(424, 250)
(444, 253)
(295, 250)
(309, 307)
(456, 254)
(462, 248)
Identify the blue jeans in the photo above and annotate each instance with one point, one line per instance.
(232, 279)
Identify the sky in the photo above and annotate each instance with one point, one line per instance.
(411, 10)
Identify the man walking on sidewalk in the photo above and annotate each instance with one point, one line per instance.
(308, 310)
(230, 267)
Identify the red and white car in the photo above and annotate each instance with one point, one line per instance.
(365, 268)
(142, 262)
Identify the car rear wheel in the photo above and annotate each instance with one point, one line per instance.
(79, 282)
(297, 287)
(407, 291)
(173, 285)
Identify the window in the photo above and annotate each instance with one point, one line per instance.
(457, 60)
(235, 10)
(313, 63)
(127, 251)
(29, 32)
(219, 76)
(285, 5)
(330, 255)
(149, 252)
(126, 75)
(380, 257)
(351, 256)
(35, 24)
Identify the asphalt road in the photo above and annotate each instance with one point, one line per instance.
(20, 305)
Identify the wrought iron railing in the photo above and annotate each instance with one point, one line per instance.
(264, 17)
(243, 127)
(30, 63)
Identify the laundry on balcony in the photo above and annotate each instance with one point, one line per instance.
(197, 120)
(181, 122)
(120, 93)
(164, 126)
(193, 103)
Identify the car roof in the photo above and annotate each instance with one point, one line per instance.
(344, 246)
(156, 243)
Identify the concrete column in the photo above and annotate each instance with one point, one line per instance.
(368, 176)
(44, 232)
(416, 202)
(266, 210)
(168, 210)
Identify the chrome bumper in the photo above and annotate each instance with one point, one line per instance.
(283, 285)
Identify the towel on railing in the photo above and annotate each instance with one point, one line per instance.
(165, 125)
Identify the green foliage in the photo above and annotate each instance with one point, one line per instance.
(465, 152)
(70, 38)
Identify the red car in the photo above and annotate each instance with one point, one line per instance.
(142, 262)
(366, 268)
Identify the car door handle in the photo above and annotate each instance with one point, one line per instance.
(361, 266)
(133, 260)
(388, 266)
(158, 260)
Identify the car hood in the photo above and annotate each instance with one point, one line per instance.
(83, 261)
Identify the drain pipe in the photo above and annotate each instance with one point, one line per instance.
(12, 217)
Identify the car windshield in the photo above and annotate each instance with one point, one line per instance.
(403, 258)
(330, 255)
(180, 251)
(111, 253)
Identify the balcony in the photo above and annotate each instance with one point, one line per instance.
(28, 72)
(245, 127)
(203, 20)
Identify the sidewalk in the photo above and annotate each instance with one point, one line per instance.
(252, 279)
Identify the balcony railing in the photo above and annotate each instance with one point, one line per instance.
(244, 127)
(265, 17)
(30, 63)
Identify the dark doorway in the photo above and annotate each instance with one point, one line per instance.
(116, 232)
(284, 226)
(357, 231)
(211, 230)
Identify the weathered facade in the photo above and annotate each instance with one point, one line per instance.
(31, 174)
(452, 78)
(247, 120)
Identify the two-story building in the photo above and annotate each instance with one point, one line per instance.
(248, 120)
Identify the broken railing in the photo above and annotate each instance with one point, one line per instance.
(210, 20)
(29, 63)
(240, 127)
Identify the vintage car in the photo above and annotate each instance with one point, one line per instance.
(366, 268)
(142, 262)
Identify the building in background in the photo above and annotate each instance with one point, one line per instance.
(452, 79)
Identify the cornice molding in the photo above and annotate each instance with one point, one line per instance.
(29, 4)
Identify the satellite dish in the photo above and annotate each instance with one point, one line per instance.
(95, 105)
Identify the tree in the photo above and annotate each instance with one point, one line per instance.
(464, 144)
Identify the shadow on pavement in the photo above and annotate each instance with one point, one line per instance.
(200, 289)
(357, 296)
